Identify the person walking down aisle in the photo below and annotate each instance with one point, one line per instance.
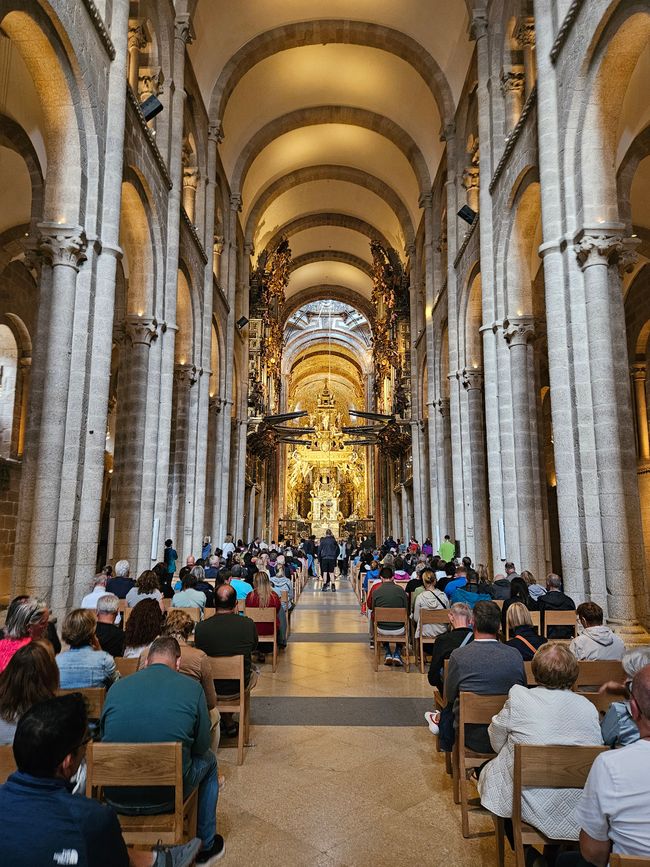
(328, 552)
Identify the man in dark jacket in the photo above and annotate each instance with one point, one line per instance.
(555, 600)
(328, 552)
(460, 618)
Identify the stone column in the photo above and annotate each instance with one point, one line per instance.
(127, 501)
(21, 399)
(63, 249)
(512, 87)
(525, 37)
(190, 184)
(250, 516)
(137, 41)
(518, 333)
(638, 372)
(185, 376)
(217, 250)
(600, 251)
(479, 549)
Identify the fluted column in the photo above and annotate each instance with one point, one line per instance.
(127, 500)
(479, 540)
(600, 253)
(639, 374)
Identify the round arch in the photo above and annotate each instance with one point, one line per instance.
(326, 292)
(344, 221)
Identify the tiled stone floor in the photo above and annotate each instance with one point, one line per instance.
(346, 795)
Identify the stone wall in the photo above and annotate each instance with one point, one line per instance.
(9, 490)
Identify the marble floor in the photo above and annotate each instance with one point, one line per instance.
(344, 795)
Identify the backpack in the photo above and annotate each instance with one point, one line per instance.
(469, 598)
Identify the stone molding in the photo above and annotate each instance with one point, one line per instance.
(472, 378)
(565, 29)
(519, 330)
(140, 330)
(132, 98)
(62, 245)
(512, 137)
(195, 235)
(100, 27)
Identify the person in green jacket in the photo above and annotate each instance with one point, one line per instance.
(447, 550)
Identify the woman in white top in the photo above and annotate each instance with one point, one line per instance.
(550, 713)
(228, 546)
(432, 600)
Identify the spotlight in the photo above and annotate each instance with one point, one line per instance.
(467, 214)
(242, 323)
(151, 107)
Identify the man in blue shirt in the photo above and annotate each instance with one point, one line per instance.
(158, 705)
(242, 588)
(460, 580)
(43, 823)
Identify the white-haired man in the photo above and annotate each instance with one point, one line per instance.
(121, 582)
(99, 589)
(110, 636)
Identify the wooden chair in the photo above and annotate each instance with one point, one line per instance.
(232, 668)
(122, 605)
(241, 606)
(266, 615)
(195, 612)
(594, 673)
(473, 709)
(126, 665)
(559, 618)
(391, 615)
(125, 615)
(530, 677)
(132, 765)
(167, 603)
(94, 697)
(549, 767)
(7, 762)
(601, 701)
(628, 861)
(535, 617)
(428, 615)
(208, 612)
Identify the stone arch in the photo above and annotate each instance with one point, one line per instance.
(344, 221)
(329, 172)
(14, 137)
(319, 293)
(331, 256)
(638, 150)
(138, 262)
(320, 32)
(593, 121)
(184, 342)
(323, 114)
(520, 250)
(472, 319)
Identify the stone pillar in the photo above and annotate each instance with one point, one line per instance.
(190, 184)
(250, 516)
(638, 372)
(137, 41)
(127, 501)
(21, 399)
(479, 549)
(185, 376)
(600, 252)
(512, 87)
(217, 250)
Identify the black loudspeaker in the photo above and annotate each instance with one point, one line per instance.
(151, 107)
(242, 323)
(467, 214)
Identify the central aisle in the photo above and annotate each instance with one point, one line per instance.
(343, 771)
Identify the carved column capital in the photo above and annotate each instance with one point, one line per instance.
(519, 331)
(215, 132)
(409, 249)
(512, 80)
(472, 378)
(140, 330)
(185, 374)
(191, 177)
(137, 38)
(442, 406)
(235, 202)
(600, 247)
(639, 371)
(214, 405)
(425, 200)
(471, 177)
(217, 244)
(448, 131)
(249, 249)
(183, 29)
(478, 26)
(524, 33)
(150, 81)
(62, 245)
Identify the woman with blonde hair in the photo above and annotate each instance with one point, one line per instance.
(264, 596)
(523, 635)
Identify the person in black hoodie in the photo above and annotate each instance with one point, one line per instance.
(523, 635)
(555, 600)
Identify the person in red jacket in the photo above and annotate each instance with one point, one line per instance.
(263, 596)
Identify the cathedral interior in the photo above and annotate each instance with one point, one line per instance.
(270, 267)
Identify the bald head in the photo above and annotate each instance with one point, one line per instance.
(225, 598)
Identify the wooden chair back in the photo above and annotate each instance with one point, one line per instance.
(499, 602)
(391, 615)
(473, 709)
(128, 765)
(194, 611)
(241, 606)
(126, 614)
(232, 668)
(593, 673)
(126, 665)
(559, 618)
(428, 615)
(208, 612)
(535, 616)
(628, 861)
(267, 615)
(7, 762)
(549, 767)
(167, 603)
(601, 701)
(94, 697)
(122, 605)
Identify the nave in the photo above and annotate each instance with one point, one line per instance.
(366, 788)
